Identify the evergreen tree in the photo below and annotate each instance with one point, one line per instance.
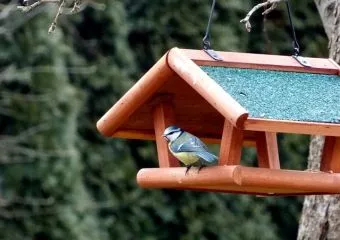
(42, 186)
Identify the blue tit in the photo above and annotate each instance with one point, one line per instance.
(188, 149)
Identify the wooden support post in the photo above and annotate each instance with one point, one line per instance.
(231, 145)
(330, 161)
(163, 116)
(267, 150)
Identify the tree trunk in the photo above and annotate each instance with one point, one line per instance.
(320, 217)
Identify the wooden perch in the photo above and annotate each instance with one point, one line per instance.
(242, 180)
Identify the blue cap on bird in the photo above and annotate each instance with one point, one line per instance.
(171, 129)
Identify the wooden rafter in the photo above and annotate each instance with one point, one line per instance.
(135, 97)
(284, 126)
(262, 61)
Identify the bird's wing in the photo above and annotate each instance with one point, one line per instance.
(192, 144)
(207, 156)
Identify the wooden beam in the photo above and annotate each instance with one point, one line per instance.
(241, 179)
(135, 97)
(262, 61)
(164, 116)
(231, 145)
(207, 88)
(135, 134)
(285, 126)
(248, 141)
(330, 161)
(267, 150)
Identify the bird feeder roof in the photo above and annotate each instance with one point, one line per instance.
(254, 92)
(281, 95)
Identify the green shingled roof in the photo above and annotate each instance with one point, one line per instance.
(282, 95)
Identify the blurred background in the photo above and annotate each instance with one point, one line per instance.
(59, 179)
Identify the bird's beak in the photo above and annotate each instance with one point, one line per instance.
(165, 137)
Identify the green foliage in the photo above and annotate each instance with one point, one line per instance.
(158, 27)
(61, 180)
(42, 178)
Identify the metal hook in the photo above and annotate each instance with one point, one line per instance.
(206, 39)
(296, 47)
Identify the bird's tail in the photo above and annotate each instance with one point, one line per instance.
(208, 157)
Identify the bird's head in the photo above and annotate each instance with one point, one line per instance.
(172, 133)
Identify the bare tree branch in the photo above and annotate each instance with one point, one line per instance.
(35, 4)
(27, 201)
(76, 6)
(325, 8)
(25, 135)
(59, 12)
(65, 7)
(11, 19)
(272, 3)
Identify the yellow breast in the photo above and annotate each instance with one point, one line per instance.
(186, 158)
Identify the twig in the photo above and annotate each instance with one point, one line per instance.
(59, 12)
(27, 201)
(76, 6)
(273, 4)
(268, 45)
(25, 135)
(36, 4)
(65, 7)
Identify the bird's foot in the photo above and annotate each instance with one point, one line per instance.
(188, 168)
(199, 168)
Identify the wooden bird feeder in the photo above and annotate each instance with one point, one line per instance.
(246, 99)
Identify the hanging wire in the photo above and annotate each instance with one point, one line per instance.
(206, 38)
(296, 47)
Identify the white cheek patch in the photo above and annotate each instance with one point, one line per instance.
(172, 137)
